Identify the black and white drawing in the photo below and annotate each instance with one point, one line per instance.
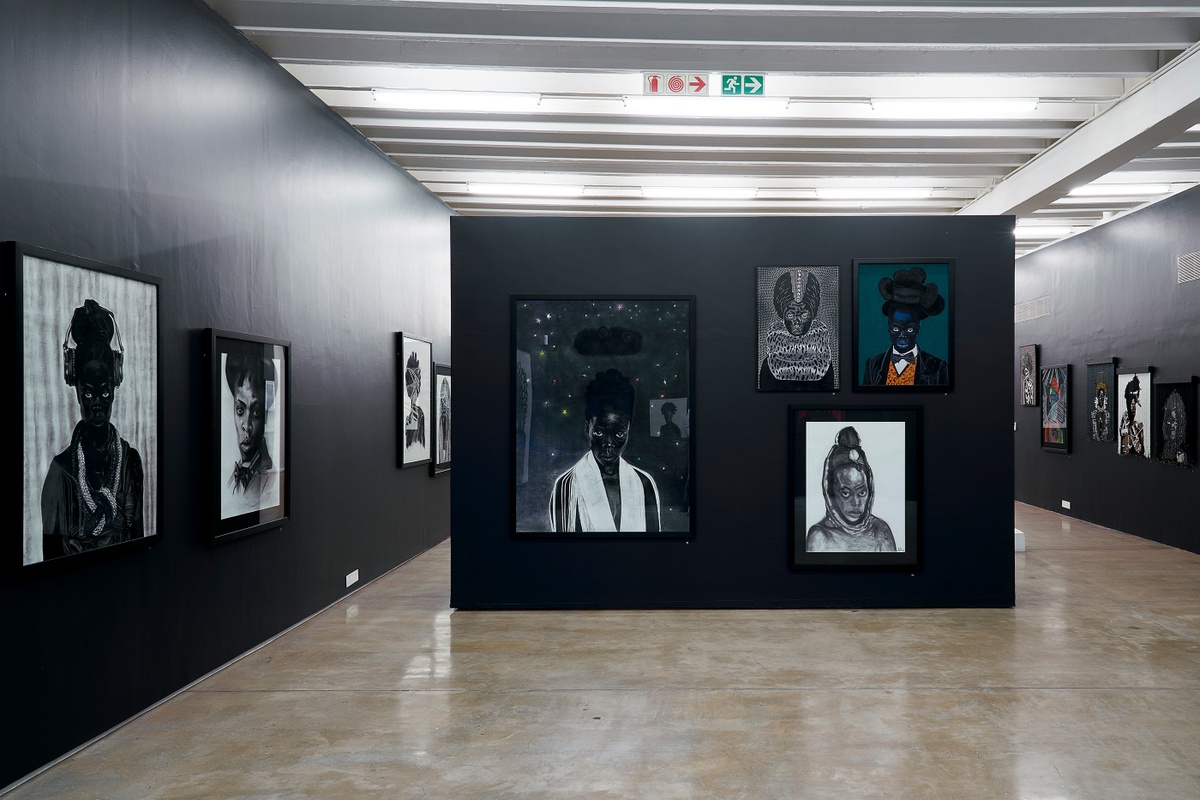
(1175, 422)
(798, 347)
(250, 401)
(1134, 431)
(1101, 382)
(88, 369)
(414, 358)
(442, 419)
(609, 432)
(1028, 356)
(855, 477)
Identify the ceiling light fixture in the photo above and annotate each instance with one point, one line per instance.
(1120, 190)
(1041, 231)
(455, 100)
(953, 107)
(875, 193)
(706, 106)
(526, 189)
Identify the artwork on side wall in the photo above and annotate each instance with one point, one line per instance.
(442, 420)
(1055, 384)
(855, 479)
(84, 382)
(903, 325)
(249, 400)
(414, 367)
(798, 329)
(1101, 383)
(607, 403)
(1175, 422)
(1028, 357)
(1134, 430)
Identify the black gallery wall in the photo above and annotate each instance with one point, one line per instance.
(150, 135)
(739, 554)
(1114, 291)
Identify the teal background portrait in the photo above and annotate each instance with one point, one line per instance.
(871, 326)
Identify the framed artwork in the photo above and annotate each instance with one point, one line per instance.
(1055, 384)
(441, 420)
(903, 325)
(83, 379)
(798, 329)
(603, 404)
(414, 365)
(1134, 428)
(249, 400)
(1028, 358)
(1175, 422)
(855, 480)
(1101, 381)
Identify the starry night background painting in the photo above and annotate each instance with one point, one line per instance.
(569, 341)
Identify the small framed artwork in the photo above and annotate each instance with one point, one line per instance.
(414, 366)
(1175, 422)
(604, 412)
(84, 382)
(1101, 382)
(1134, 428)
(798, 329)
(1028, 358)
(1055, 384)
(249, 398)
(855, 481)
(441, 420)
(903, 325)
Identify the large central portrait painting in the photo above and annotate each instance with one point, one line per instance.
(603, 416)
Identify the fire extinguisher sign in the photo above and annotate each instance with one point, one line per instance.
(665, 83)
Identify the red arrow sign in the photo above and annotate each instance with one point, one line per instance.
(697, 84)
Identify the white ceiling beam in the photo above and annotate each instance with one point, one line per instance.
(1158, 110)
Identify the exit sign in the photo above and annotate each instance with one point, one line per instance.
(743, 84)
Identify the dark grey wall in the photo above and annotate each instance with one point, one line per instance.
(149, 134)
(1114, 291)
(739, 555)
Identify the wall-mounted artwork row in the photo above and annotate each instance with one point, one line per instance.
(798, 329)
(1134, 431)
(1175, 422)
(414, 368)
(249, 396)
(1028, 357)
(1055, 384)
(855, 478)
(904, 325)
(84, 382)
(1101, 382)
(603, 410)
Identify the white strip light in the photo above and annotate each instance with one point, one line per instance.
(1120, 190)
(877, 193)
(454, 100)
(526, 189)
(706, 106)
(1041, 231)
(953, 107)
(699, 192)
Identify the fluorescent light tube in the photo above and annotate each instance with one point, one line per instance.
(706, 106)
(953, 107)
(454, 100)
(1120, 189)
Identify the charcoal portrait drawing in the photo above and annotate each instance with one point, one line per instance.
(254, 385)
(798, 329)
(848, 492)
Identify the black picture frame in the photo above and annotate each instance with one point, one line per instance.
(70, 320)
(1101, 399)
(798, 311)
(1174, 416)
(1054, 392)
(890, 440)
(1028, 375)
(442, 419)
(1135, 437)
(249, 403)
(877, 280)
(563, 344)
(414, 406)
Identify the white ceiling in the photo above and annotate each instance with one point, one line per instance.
(1117, 86)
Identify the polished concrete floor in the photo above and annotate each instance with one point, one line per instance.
(1090, 688)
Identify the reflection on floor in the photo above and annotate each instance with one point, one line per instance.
(1090, 688)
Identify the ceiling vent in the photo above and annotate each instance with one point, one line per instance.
(1189, 267)
(1032, 309)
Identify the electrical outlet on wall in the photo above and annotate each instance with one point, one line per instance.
(1067, 504)
(351, 579)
